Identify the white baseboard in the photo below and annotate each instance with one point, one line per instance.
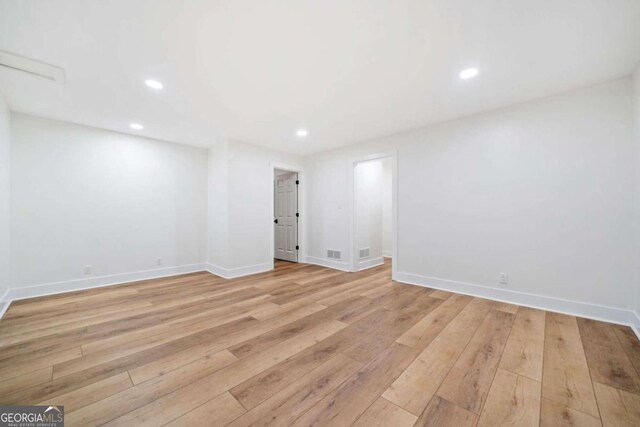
(232, 273)
(330, 263)
(14, 294)
(370, 263)
(574, 308)
(386, 254)
(581, 309)
(636, 324)
(4, 304)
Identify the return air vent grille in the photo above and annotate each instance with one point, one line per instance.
(364, 253)
(31, 66)
(331, 254)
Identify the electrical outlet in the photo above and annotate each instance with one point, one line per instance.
(504, 279)
(159, 261)
(87, 269)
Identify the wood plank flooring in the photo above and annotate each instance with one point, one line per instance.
(306, 345)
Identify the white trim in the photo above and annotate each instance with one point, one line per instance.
(302, 220)
(636, 325)
(232, 273)
(4, 304)
(393, 154)
(44, 289)
(329, 263)
(574, 308)
(386, 254)
(370, 263)
(4, 307)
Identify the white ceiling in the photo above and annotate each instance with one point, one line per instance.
(345, 70)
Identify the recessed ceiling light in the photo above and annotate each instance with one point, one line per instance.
(302, 132)
(154, 84)
(468, 73)
(136, 126)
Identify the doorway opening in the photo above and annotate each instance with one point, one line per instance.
(374, 212)
(286, 213)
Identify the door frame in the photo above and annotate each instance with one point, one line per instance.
(393, 155)
(302, 220)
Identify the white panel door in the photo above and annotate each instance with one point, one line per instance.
(286, 220)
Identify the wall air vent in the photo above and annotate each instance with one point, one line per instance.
(331, 254)
(33, 67)
(364, 253)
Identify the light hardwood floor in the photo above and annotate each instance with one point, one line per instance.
(305, 345)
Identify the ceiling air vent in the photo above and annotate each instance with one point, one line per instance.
(36, 68)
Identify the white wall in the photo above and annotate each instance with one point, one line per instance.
(387, 205)
(218, 204)
(5, 171)
(368, 187)
(84, 196)
(636, 121)
(539, 191)
(247, 207)
(328, 206)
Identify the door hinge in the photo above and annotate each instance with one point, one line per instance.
(297, 214)
(297, 248)
(297, 182)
